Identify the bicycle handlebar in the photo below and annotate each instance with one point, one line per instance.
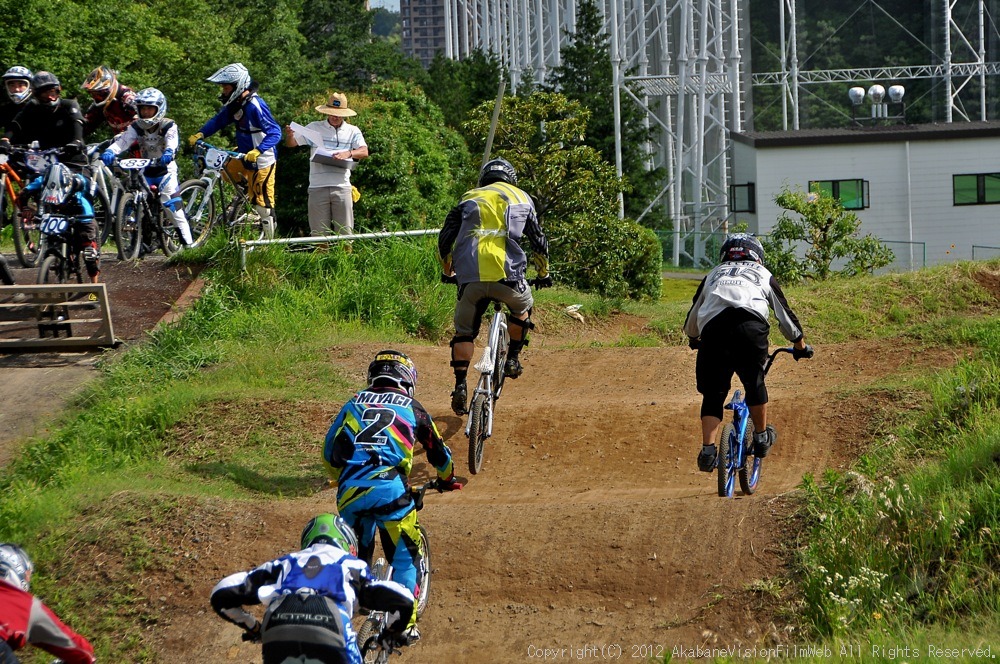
(806, 353)
(206, 145)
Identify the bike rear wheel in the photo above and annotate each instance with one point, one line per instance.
(725, 462)
(750, 472)
(128, 227)
(478, 420)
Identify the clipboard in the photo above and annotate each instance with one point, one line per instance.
(321, 158)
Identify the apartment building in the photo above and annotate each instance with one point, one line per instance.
(423, 28)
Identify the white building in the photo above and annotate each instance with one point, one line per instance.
(930, 192)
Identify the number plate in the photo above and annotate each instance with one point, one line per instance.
(54, 225)
(134, 164)
(215, 159)
(38, 162)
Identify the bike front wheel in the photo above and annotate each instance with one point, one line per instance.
(726, 461)
(423, 572)
(27, 237)
(200, 208)
(128, 227)
(478, 420)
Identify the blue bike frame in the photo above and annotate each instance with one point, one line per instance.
(734, 454)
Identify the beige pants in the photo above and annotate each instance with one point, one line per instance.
(331, 204)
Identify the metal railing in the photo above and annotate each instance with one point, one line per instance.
(992, 251)
(248, 245)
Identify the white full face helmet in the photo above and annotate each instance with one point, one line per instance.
(151, 97)
(15, 566)
(17, 74)
(237, 76)
(59, 185)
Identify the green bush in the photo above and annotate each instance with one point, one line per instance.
(576, 193)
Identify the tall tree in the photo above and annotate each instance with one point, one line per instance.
(585, 75)
(460, 85)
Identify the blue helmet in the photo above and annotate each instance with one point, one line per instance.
(741, 247)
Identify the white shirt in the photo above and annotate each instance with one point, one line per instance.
(346, 137)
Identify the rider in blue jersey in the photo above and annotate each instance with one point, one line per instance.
(369, 454)
(310, 597)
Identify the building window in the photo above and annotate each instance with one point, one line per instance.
(976, 189)
(743, 197)
(852, 194)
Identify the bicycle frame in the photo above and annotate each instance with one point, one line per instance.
(733, 453)
(210, 168)
(487, 367)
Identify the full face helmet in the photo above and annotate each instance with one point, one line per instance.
(60, 184)
(17, 74)
(43, 81)
(15, 566)
(395, 367)
(741, 247)
(150, 97)
(235, 75)
(102, 84)
(331, 529)
(497, 170)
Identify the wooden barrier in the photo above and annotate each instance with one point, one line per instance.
(54, 317)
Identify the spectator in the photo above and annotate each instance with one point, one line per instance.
(331, 196)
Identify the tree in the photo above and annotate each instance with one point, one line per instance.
(830, 234)
(585, 76)
(460, 85)
(575, 191)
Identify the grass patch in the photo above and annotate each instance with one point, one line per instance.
(230, 402)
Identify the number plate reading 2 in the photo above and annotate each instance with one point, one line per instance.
(54, 225)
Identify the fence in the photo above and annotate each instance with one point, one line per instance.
(248, 245)
(908, 255)
(991, 252)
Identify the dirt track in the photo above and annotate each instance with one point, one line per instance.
(589, 524)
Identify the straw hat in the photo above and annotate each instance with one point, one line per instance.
(337, 106)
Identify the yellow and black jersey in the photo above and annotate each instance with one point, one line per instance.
(482, 235)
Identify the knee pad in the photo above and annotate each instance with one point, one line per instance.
(91, 258)
(459, 339)
(526, 326)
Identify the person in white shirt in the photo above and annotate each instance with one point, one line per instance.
(330, 191)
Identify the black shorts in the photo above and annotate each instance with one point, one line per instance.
(735, 341)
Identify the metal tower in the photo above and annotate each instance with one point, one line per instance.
(681, 61)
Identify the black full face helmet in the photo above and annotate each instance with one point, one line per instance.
(497, 170)
(741, 247)
(395, 367)
(42, 81)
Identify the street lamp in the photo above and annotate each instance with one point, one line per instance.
(880, 107)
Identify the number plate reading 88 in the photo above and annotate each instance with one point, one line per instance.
(54, 225)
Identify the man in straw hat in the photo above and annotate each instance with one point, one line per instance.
(330, 185)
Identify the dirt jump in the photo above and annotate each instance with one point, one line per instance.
(589, 533)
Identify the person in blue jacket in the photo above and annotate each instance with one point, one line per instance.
(257, 135)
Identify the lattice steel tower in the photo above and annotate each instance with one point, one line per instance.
(685, 61)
